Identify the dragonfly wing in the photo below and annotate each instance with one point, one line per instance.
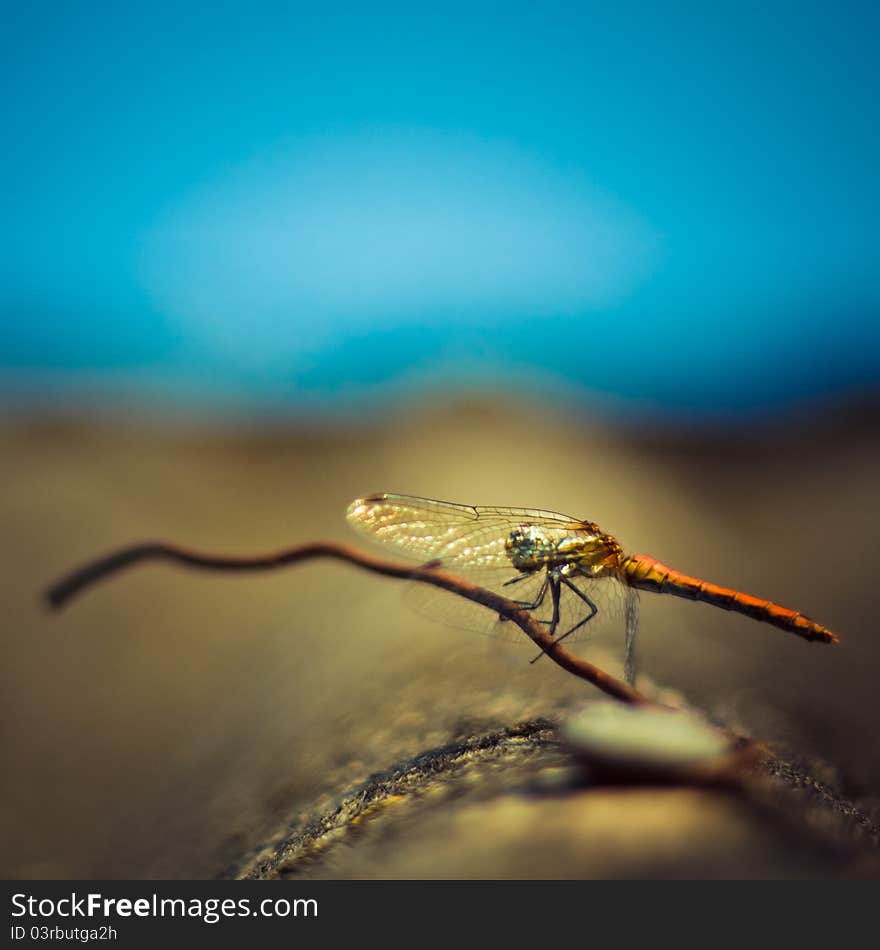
(610, 596)
(632, 629)
(456, 611)
(464, 538)
(470, 541)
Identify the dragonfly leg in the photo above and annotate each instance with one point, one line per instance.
(554, 590)
(553, 581)
(593, 611)
(524, 604)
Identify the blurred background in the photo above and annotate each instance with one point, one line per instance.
(614, 260)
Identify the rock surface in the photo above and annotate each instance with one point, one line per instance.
(514, 804)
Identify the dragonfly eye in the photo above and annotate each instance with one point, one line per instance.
(522, 547)
(521, 537)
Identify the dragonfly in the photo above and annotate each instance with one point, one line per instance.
(566, 569)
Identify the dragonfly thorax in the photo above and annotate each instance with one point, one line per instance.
(531, 547)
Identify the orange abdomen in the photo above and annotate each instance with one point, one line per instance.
(646, 573)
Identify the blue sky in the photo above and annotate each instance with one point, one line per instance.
(281, 205)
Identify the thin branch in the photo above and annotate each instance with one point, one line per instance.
(78, 580)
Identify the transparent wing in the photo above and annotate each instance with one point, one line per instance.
(456, 611)
(470, 541)
(612, 599)
(464, 538)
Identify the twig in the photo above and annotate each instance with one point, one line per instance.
(74, 583)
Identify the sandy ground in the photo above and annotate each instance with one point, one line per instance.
(165, 724)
